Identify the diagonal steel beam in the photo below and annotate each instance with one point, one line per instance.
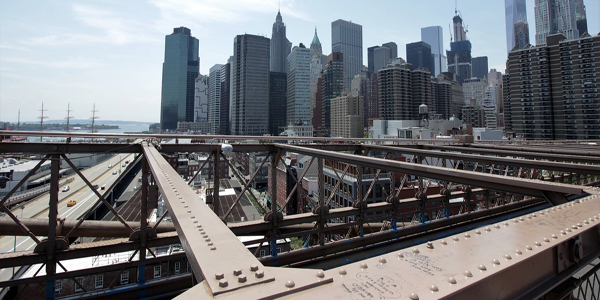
(22, 181)
(246, 187)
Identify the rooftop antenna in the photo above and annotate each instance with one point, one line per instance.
(19, 121)
(69, 117)
(455, 7)
(42, 120)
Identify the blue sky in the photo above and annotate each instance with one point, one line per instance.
(110, 52)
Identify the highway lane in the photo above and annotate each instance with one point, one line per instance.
(101, 174)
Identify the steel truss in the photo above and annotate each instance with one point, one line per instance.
(500, 182)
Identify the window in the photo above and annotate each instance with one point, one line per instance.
(78, 284)
(99, 281)
(157, 271)
(278, 250)
(57, 286)
(262, 253)
(177, 267)
(189, 267)
(125, 277)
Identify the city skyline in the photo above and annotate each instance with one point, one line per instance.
(110, 53)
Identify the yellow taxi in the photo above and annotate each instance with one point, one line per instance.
(71, 203)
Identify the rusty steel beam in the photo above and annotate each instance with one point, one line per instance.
(525, 154)
(88, 228)
(512, 185)
(526, 163)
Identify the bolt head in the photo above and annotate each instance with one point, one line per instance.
(451, 280)
(477, 232)
(253, 268)
(538, 244)
(223, 283)
(290, 284)
(242, 278)
(497, 226)
(481, 267)
(259, 274)
(528, 248)
(488, 229)
(400, 255)
(507, 256)
(467, 235)
(430, 245)
(320, 274)
(554, 236)
(456, 239)
(237, 272)
(415, 250)
(342, 272)
(382, 260)
(364, 266)
(495, 261)
(546, 240)
(443, 242)
(219, 276)
(433, 288)
(468, 273)
(413, 296)
(518, 252)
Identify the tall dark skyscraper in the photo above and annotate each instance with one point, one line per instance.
(480, 67)
(180, 69)
(332, 85)
(580, 17)
(459, 56)
(277, 102)
(419, 55)
(379, 56)
(280, 46)
(346, 38)
(250, 85)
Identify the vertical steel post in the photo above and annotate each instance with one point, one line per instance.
(321, 202)
(52, 216)
(143, 225)
(216, 160)
(359, 198)
(273, 210)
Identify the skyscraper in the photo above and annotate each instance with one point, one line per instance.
(298, 85)
(277, 102)
(280, 46)
(514, 11)
(434, 36)
(332, 85)
(555, 16)
(201, 94)
(316, 67)
(459, 56)
(180, 70)
(419, 55)
(480, 67)
(225, 94)
(346, 38)
(521, 34)
(214, 98)
(379, 56)
(580, 17)
(250, 85)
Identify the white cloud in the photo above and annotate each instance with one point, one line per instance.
(115, 28)
(12, 47)
(74, 63)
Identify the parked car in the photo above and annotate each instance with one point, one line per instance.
(109, 166)
(71, 203)
(66, 188)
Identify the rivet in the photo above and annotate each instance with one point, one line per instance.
(193, 217)
(522, 219)
(195, 221)
(343, 272)
(223, 283)
(481, 267)
(237, 272)
(534, 215)
(488, 229)
(320, 274)
(579, 225)
(528, 248)
(468, 274)
(477, 232)
(213, 248)
(413, 296)
(242, 278)
(189, 211)
(554, 236)
(518, 252)
(364, 266)
(430, 245)
(443, 242)
(546, 240)
(586, 222)
(456, 239)
(516, 221)
(433, 288)
(563, 232)
(507, 256)
(207, 240)
(259, 274)
(253, 268)
(400, 255)
(538, 244)
(574, 227)
(505, 224)
(415, 250)
(382, 260)
(451, 280)
(210, 244)
(495, 261)
(219, 276)
(290, 284)
(497, 226)
(568, 230)
(467, 235)
(185, 206)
